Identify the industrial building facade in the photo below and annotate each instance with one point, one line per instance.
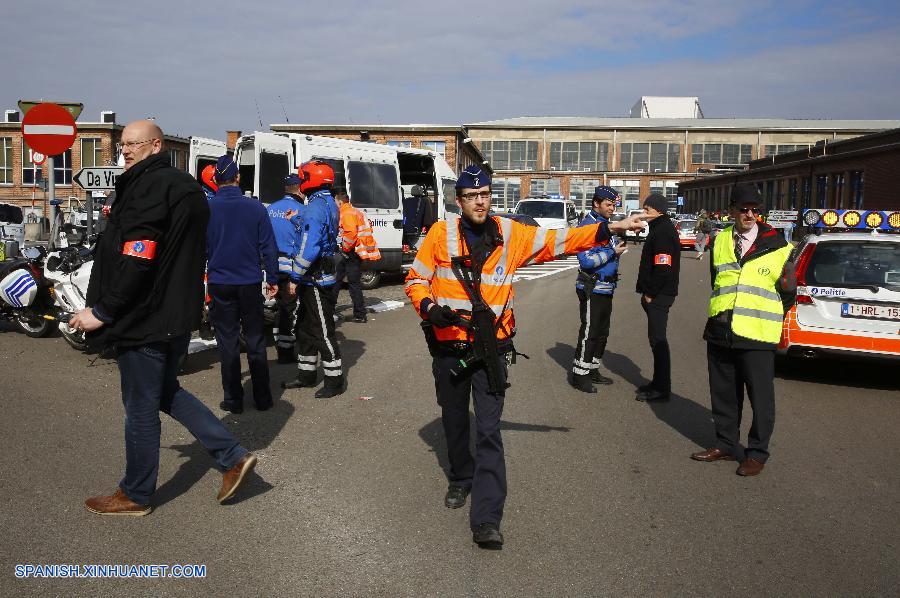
(858, 173)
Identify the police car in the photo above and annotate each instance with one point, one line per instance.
(848, 286)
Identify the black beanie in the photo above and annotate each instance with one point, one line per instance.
(657, 202)
(745, 194)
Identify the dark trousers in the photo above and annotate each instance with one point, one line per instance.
(485, 475)
(350, 266)
(235, 308)
(595, 311)
(286, 319)
(315, 333)
(149, 375)
(730, 370)
(657, 320)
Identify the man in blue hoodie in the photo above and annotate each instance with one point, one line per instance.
(314, 266)
(238, 238)
(288, 238)
(596, 282)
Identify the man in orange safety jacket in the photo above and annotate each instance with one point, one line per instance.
(464, 267)
(357, 244)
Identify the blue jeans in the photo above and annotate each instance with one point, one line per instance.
(149, 376)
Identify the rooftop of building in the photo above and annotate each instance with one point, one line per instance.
(680, 124)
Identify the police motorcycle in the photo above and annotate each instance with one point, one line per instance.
(27, 296)
(69, 269)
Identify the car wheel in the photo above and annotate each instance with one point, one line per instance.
(369, 279)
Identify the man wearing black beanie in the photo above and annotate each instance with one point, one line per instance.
(657, 283)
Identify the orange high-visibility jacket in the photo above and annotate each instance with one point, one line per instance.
(355, 234)
(431, 275)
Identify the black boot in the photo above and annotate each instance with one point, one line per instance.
(304, 380)
(582, 382)
(598, 378)
(334, 386)
(487, 535)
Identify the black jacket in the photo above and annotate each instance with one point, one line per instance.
(718, 329)
(144, 299)
(660, 260)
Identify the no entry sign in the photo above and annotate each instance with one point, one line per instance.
(49, 129)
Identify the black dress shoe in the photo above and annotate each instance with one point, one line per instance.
(456, 497)
(645, 388)
(652, 395)
(487, 535)
(333, 387)
(360, 319)
(232, 407)
(582, 382)
(300, 382)
(598, 378)
(264, 406)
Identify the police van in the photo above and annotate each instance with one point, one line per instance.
(376, 177)
(848, 286)
(549, 211)
(203, 152)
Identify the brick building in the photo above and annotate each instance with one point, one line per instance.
(855, 173)
(452, 142)
(21, 181)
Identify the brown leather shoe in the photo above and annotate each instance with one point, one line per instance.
(750, 467)
(117, 504)
(233, 478)
(713, 454)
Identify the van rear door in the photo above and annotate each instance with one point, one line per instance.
(273, 157)
(202, 153)
(373, 184)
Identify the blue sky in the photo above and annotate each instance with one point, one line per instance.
(202, 68)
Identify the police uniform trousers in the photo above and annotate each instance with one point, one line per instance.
(730, 371)
(485, 474)
(657, 321)
(233, 309)
(595, 310)
(285, 320)
(351, 266)
(315, 334)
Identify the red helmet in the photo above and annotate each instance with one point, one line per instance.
(315, 174)
(207, 175)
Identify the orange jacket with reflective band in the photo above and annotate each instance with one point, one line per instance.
(355, 234)
(431, 275)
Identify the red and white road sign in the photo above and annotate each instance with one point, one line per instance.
(37, 158)
(49, 129)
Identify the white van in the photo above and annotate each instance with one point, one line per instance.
(373, 175)
(12, 224)
(640, 235)
(549, 212)
(202, 153)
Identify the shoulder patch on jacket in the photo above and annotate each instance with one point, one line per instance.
(662, 259)
(143, 249)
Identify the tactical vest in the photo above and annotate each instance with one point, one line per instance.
(748, 289)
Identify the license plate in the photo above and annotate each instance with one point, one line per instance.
(874, 312)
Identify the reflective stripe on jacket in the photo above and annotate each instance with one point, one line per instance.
(431, 276)
(356, 234)
(748, 290)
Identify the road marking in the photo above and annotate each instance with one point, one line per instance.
(536, 271)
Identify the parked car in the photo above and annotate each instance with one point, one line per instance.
(548, 212)
(848, 287)
(640, 235)
(686, 235)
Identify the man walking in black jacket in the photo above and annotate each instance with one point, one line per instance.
(658, 285)
(145, 298)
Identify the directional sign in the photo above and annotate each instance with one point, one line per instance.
(98, 179)
(49, 129)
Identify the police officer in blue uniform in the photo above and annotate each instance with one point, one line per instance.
(287, 238)
(238, 238)
(313, 266)
(595, 285)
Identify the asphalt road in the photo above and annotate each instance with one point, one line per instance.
(348, 495)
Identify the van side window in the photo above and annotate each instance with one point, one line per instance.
(450, 197)
(373, 185)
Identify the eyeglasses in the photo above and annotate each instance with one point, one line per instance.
(475, 195)
(756, 211)
(131, 144)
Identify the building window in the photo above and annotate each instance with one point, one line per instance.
(579, 156)
(540, 187)
(505, 192)
(821, 191)
(792, 194)
(395, 143)
(6, 160)
(91, 152)
(649, 157)
(510, 155)
(857, 181)
(721, 153)
(807, 192)
(62, 168)
(175, 157)
(436, 146)
(668, 189)
(777, 150)
(581, 191)
(31, 174)
(629, 191)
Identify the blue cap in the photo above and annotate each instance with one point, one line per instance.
(226, 169)
(604, 192)
(291, 180)
(473, 178)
